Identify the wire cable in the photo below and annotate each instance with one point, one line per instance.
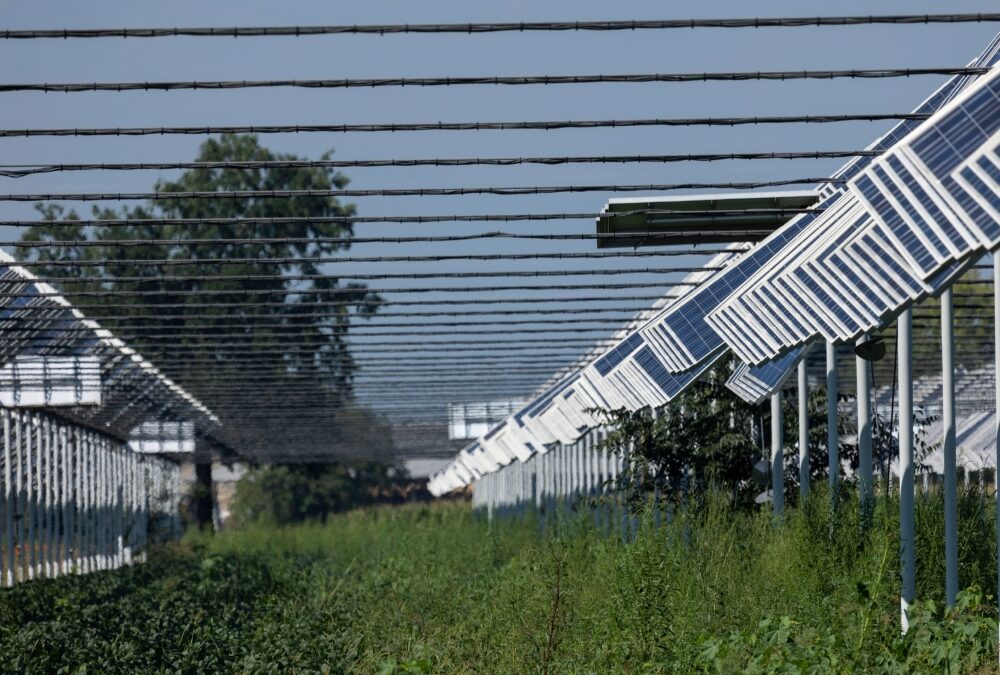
(411, 192)
(662, 216)
(514, 80)
(397, 127)
(31, 169)
(328, 260)
(498, 27)
(410, 239)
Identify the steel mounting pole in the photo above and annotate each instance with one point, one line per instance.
(864, 434)
(907, 540)
(996, 408)
(832, 420)
(777, 457)
(803, 431)
(948, 418)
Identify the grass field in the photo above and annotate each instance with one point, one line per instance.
(434, 589)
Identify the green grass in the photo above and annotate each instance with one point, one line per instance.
(434, 589)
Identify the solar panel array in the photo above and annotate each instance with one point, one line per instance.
(906, 226)
(887, 232)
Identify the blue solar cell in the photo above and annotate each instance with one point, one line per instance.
(900, 228)
(915, 189)
(884, 258)
(772, 373)
(821, 294)
(989, 168)
(926, 229)
(937, 100)
(688, 321)
(947, 143)
(607, 363)
(944, 277)
(671, 383)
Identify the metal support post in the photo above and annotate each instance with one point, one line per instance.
(948, 419)
(864, 432)
(8, 502)
(803, 431)
(907, 541)
(832, 420)
(777, 457)
(996, 410)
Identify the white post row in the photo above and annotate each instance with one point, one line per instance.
(907, 541)
(74, 500)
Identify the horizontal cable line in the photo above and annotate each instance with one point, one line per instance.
(253, 319)
(687, 235)
(180, 262)
(446, 218)
(276, 329)
(363, 362)
(299, 335)
(390, 346)
(408, 192)
(508, 80)
(289, 385)
(345, 290)
(22, 170)
(364, 373)
(320, 341)
(207, 382)
(279, 396)
(240, 305)
(352, 303)
(34, 333)
(498, 27)
(393, 127)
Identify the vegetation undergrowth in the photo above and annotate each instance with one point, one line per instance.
(418, 589)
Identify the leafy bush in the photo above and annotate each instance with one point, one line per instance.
(295, 493)
(420, 589)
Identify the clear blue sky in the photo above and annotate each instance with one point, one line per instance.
(442, 55)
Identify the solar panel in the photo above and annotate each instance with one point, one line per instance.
(926, 204)
(754, 384)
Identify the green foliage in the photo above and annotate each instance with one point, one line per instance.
(421, 589)
(709, 438)
(706, 434)
(277, 262)
(294, 493)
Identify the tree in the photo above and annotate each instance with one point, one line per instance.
(272, 286)
(226, 254)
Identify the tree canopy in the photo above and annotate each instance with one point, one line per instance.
(245, 288)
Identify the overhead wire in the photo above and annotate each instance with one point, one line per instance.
(415, 192)
(31, 169)
(499, 27)
(508, 80)
(328, 260)
(662, 216)
(402, 239)
(399, 127)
